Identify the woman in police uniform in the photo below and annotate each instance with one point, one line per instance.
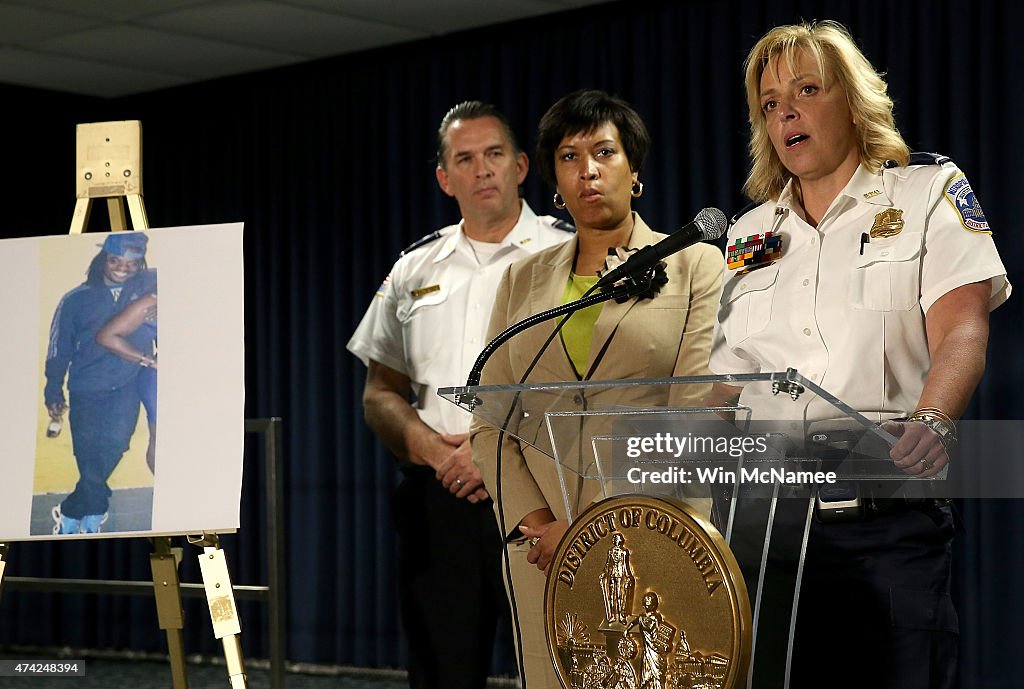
(881, 295)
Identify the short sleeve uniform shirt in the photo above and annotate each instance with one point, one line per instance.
(429, 318)
(845, 304)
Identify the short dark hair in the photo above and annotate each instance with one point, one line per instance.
(471, 110)
(582, 112)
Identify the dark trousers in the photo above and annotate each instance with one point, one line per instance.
(875, 609)
(451, 593)
(102, 424)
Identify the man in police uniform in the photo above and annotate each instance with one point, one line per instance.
(423, 330)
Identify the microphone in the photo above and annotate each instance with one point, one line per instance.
(710, 223)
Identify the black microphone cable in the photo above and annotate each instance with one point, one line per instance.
(567, 309)
(620, 292)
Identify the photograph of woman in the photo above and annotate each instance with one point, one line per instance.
(103, 388)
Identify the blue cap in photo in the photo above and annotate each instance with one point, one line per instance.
(130, 245)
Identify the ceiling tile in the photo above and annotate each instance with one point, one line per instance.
(148, 49)
(43, 71)
(112, 9)
(103, 45)
(281, 27)
(23, 25)
(437, 16)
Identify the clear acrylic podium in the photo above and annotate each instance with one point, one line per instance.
(760, 466)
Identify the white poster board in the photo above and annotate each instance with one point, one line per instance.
(195, 483)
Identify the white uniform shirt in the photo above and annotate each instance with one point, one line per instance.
(853, 321)
(429, 319)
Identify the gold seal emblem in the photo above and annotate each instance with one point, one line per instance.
(644, 593)
(888, 223)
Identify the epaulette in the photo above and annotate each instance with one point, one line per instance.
(920, 158)
(743, 211)
(563, 225)
(422, 241)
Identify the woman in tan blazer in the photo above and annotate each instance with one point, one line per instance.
(591, 148)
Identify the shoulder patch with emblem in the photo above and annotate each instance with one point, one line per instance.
(966, 204)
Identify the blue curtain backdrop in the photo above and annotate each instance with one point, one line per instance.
(330, 165)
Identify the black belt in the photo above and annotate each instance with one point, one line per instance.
(877, 506)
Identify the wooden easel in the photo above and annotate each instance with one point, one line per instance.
(109, 157)
(109, 165)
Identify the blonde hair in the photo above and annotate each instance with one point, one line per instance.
(838, 59)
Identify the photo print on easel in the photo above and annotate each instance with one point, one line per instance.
(82, 357)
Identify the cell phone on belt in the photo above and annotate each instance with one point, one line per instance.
(839, 502)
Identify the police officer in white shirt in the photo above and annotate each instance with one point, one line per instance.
(881, 295)
(423, 330)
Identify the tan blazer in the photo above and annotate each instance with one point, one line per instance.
(669, 335)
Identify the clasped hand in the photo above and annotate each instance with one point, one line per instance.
(457, 473)
(919, 451)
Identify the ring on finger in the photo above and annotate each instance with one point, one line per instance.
(533, 541)
(926, 464)
(458, 482)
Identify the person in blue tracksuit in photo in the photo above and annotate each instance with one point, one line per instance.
(103, 395)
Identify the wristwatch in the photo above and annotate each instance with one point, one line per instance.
(943, 426)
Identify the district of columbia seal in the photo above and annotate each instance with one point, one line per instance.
(644, 593)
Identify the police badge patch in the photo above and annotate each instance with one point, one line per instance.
(965, 203)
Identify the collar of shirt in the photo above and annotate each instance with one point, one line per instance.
(867, 186)
(864, 186)
(524, 236)
(788, 201)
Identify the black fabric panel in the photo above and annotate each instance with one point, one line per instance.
(330, 165)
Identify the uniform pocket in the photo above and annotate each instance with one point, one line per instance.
(413, 307)
(747, 303)
(421, 318)
(886, 277)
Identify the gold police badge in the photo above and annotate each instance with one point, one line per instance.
(888, 223)
(644, 593)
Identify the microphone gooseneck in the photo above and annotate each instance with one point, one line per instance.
(710, 223)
